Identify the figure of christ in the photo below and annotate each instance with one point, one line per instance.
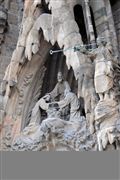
(56, 94)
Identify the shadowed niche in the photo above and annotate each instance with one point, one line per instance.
(79, 18)
(55, 63)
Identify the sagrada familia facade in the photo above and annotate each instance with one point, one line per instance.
(59, 75)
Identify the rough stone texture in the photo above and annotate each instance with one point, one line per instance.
(54, 131)
(28, 68)
(116, 16)
(11, 36)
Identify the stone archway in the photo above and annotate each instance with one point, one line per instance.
(44, 80)
(53, 64)
(29, 85)
(35, 87)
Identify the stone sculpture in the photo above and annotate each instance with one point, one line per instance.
(53, 131)
(42, 103)
(54, 109)
(71, 98)
(103, 78)
(86, 90)
(18, 56)
(93, 69)
(56, 29)
(58, 92)
(106, 110)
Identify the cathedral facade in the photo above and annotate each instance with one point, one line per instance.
(60, 75)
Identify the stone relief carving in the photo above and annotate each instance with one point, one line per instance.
(35, 96)
(18, 56)
(71, 98)
(56, 94)
(61, 27)
(26, 82)
(28, 42)
(86, 89)
(94, 71)
(106, 110)
(103, 78)
(54, 130)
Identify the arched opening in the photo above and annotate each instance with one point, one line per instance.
(79, 18)
(113, 2)
(31, 92)
(44, 81)
(55, 63)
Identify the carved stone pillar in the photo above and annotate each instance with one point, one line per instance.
(89, 22)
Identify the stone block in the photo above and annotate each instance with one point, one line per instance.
(99, 13)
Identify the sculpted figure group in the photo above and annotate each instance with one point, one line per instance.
(95, 85)
(56, 101)
(93, 69)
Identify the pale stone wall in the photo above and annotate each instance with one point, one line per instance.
(11, 36)
(104, 21)
(116, 16)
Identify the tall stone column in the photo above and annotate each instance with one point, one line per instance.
(111, 24)
(89, 22)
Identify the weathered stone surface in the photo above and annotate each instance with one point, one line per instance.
(52, 132)
(27, 45)
(10, 40)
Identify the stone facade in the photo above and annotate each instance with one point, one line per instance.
(11, 35)
(116, 17)
(28, 71)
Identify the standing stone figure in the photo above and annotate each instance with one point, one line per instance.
(86, 90)
(103, 78)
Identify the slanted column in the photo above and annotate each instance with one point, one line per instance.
(89, 22)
